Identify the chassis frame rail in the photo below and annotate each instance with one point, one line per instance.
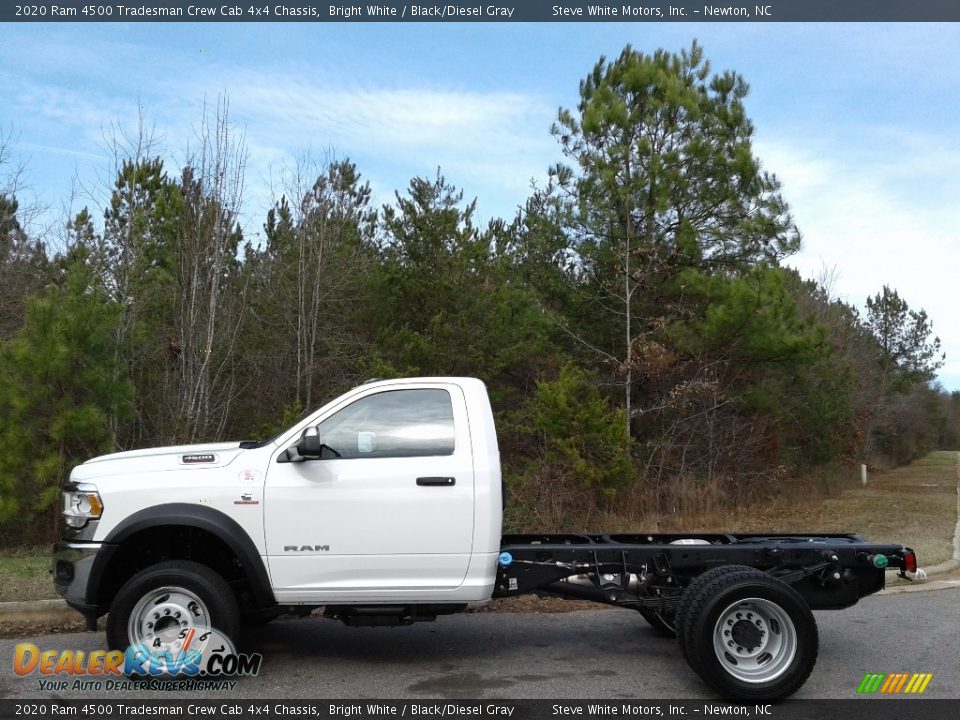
(831, 571)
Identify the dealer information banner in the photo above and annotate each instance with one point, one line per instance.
(518, 11)
(484, 709)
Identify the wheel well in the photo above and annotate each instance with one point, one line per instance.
(174, 542)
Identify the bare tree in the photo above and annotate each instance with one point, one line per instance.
(127, 198)
(22, 257)
(315, 242)
(209, 314)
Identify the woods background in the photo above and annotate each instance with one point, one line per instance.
(650, 358)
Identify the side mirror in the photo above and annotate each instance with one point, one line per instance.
(309, 445)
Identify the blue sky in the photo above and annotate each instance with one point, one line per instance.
(859, 121)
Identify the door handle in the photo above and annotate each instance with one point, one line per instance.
(436, 481)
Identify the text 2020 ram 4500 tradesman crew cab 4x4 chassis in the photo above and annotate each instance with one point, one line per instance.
(384, 507)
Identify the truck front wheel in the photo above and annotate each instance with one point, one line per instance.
(158, 603)
(748, 635)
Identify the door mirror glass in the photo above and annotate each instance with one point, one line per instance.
(309, 445)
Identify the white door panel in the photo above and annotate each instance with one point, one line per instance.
(361, 522)
(370, 507)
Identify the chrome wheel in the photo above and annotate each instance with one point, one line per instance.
(755, 640)
(161, 616)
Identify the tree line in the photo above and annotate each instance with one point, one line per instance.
(648, 353)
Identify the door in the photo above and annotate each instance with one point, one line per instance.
(389, 507)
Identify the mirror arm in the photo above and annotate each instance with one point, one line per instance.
(290, 455)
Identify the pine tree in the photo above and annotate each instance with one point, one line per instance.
(909, 353)
(663, 179)
(58, 388)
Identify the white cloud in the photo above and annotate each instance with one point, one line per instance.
(883, 214)
(488, 143)
(68, 152)
(490, 136)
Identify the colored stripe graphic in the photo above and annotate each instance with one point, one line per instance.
(914, 683)
(894, 683)
(902, 682)
(889, 682)
(927, 677)
(871, 682)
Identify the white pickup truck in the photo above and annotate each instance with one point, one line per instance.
(384, 507)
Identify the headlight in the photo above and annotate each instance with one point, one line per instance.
(81, 504)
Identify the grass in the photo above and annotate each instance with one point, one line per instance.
(25, 575)
(915, 505)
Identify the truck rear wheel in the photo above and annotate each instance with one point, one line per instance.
(160, 601)
(694, 589)
(748, 635)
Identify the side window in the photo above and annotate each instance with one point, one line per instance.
(397, 423)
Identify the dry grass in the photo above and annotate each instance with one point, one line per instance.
(914, 505)
(25, 575)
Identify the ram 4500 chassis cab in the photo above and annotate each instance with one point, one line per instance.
(384, 507)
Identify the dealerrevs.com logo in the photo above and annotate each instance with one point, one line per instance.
(199, 658)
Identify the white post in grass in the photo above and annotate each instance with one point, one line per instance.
(863, 474)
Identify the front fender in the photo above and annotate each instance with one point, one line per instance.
(208, 519)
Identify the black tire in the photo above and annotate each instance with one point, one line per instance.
(695, 588)
(662, 623)
(192, 580)
(748, 635)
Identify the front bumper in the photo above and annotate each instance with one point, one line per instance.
(72, 564)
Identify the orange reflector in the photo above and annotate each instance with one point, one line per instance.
(96, 508)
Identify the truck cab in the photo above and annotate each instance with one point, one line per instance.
(391, 493)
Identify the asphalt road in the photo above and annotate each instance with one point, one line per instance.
(586, 654)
